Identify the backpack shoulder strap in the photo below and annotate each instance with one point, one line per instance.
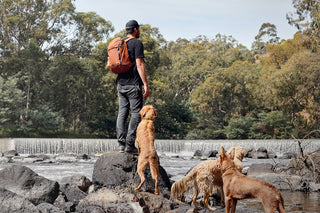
(126, 39)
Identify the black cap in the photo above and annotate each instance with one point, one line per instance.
(132, 24)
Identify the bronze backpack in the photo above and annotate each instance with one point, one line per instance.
(119, 60)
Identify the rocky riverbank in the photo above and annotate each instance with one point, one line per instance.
(114, 177)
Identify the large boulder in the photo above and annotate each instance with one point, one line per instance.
(11, 202)
(114, 169)
(109, 200)
(25, 182)
(307, 167)
(78, 181)
(48, 208)
(258, 169)
(282, 181)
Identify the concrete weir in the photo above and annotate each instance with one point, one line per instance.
(93, 146)
(6, 144)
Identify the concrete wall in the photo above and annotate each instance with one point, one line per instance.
(6, 144)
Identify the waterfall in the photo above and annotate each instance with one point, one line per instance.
(93, 146)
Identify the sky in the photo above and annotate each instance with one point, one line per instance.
(188, 19)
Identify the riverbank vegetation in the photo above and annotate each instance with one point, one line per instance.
(53, 81)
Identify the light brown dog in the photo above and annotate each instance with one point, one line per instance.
(237, 186)
(206, 176)
(146, 150)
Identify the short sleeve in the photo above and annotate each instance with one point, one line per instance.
(139, 50)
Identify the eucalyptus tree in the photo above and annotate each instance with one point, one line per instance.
(306, 19)
(34, 34)
(297, 91)
(267, 35)
(227, 93)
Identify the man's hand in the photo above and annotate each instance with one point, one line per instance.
(146, 91)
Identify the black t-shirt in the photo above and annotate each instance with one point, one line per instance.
(132, 77)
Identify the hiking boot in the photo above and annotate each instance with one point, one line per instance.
(121, 146)
(130, 148)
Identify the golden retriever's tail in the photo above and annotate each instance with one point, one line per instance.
(181, 186)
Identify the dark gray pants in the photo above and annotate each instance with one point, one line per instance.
(130, 98)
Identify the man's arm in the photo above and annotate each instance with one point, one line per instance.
(142, 72)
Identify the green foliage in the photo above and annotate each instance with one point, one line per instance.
(239, 128)
(53, 81)
(271, 125)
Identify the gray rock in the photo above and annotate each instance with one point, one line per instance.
(79, 181)
(10, 153)
(282, 181)
(4, 160)
(25, 182)
(108, 200)
(258, 169)
(72, 193)
(48, 208)
(62, 203)
(11, 202)
(197, 153)
(114, 169)
(260, 155)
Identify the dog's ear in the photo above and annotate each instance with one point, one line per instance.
(143, 112)
(222, 153)
(232, 154)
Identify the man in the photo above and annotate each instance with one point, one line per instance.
(129, 86)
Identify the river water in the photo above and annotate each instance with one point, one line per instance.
(175, 158)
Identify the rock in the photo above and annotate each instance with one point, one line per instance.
(114, 169)
(72, 193)
(109, 200)
(48, 208)
(79, 181)
(288, 155)
(307, 167)
(272, 155)
(66, 158)
(250, 153)
(10, 153)
(91, 209)
(11, 202)
(151, 202)
(197, 153)
(62, 203)
(257, 169)
(260, 155)
(83, 157)
(262, 149)
(4, 160)
(211, 154)
(25, 182)
(282, 181)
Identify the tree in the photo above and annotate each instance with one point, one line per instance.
(22, 20)
(89, 29)
(228, 93)
(306, 18)
(297, 90)
(11, 103)
(267, 35)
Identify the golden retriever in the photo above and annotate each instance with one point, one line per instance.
(237, 186)
(206, 176)
(146, 150)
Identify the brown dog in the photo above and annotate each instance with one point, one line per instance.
(205, 176)
(145, 141)
(237, 186)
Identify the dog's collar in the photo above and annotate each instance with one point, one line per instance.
(230, 167)
(147, 119)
